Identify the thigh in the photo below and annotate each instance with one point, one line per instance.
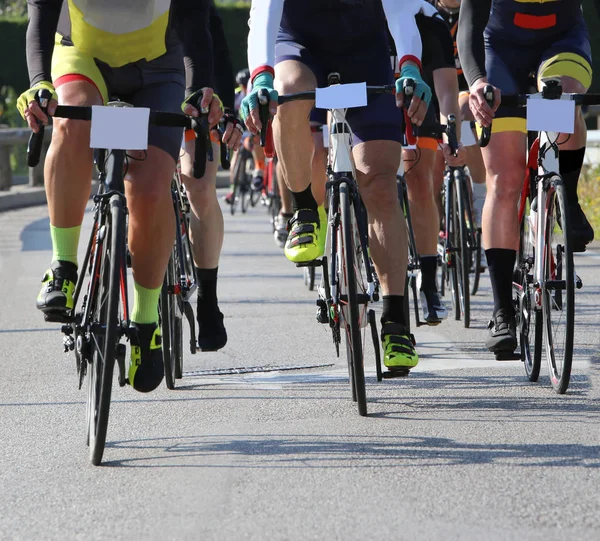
(569, 56)
(70, 65)
(508, 69)
(504, 159)
(380, 119)
(162, 89)
(377, 161)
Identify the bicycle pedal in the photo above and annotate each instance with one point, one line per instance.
(313, 263)
(400, 373)
(57, 316)
(120, 357)
(322, 315)
(578, 282)
(507, 356)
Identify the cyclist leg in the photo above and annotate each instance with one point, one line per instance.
(151, 218)
(206, 236)
(378, 130)
(504, 160)
(67, 175)
(294, 146)
(570, 59)
(258, 175)
(425, 219)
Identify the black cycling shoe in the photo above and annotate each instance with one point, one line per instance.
(582, 232)
(503, 335)
(146, 368)
(55, 298)
(212, 335)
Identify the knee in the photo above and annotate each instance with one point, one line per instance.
(505, 187)
(380, 194)
(420, 186)
(201, 193)
(73, 136)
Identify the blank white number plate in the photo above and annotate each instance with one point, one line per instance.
(551, 115)
(119, 128)
(341, 96)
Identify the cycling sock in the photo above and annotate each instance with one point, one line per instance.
(145, 304)
(260, 165)
(65, 241)
(569, 165)
(501, 263)
(304, 200)
(207, 285)
(393, 309)
(428, 272)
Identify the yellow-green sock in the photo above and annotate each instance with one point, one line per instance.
(65, 241)
(145, 304)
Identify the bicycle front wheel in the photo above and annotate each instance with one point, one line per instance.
(167, 322)
(558, 294)
(349, 300)
(104, 329)
(462, 252)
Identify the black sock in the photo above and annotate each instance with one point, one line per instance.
(501, 263)
(304, 200)
(569, 165)
(393, 309)
(428, 272)
(207, 285)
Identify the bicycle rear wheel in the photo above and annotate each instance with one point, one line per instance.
(349, 300)
(558, 295)
(449, 270)
(104, 327)
(463, 252)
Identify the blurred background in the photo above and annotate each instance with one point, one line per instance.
(13, 80)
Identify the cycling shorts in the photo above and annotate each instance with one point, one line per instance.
(158, 84)
(367, 62)
(509, 65)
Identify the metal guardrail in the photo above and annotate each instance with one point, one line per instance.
(10, 137)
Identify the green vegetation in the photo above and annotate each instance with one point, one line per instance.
(589, 196)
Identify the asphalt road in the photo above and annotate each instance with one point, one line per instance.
(465, 448)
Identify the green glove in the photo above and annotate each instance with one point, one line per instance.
(29, 95)
(250, 102)
(422, 89)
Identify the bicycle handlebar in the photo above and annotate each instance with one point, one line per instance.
(550, 92)
(157, 118)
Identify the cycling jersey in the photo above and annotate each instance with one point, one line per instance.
(118, 33)
(518, 38)
(516, 22)
(333, 26)
(451, 19)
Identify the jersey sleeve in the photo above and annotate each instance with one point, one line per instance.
(472, 20)
(191, 19)
(264, 22)
(39, 43)
(224, 78)
(400, 15)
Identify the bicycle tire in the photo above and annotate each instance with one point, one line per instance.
(351, 311)
(254, 197)
(236, 181)
(530, 338)
(309, 278)
(449, 254)
(476, 262)
(463, 261)
(558, 267)
(104, 334)
(167, 321)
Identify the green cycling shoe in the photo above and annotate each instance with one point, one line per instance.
(399, 351)
(147, 368)
(306, 238)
